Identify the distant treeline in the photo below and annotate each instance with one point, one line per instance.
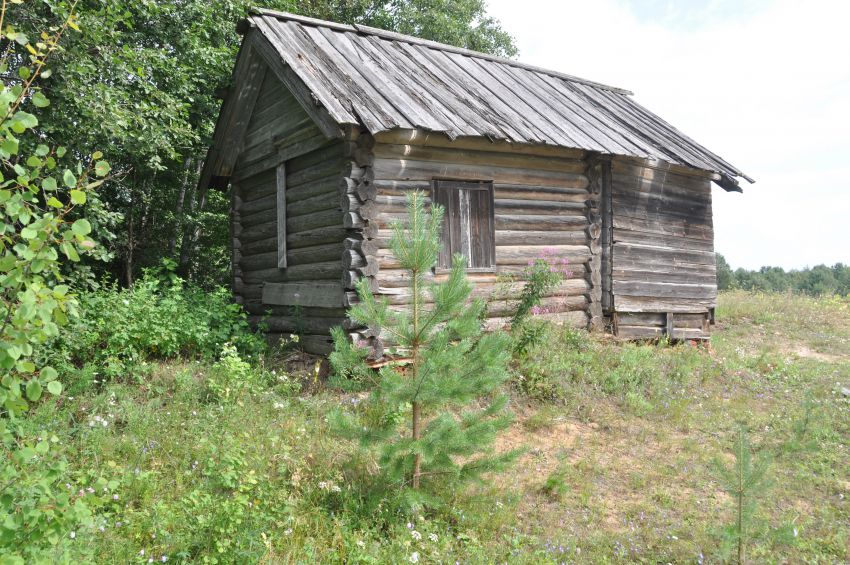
(816, 280)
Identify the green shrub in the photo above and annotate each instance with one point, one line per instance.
(120, 329)
(231, 378)
(43, 193)
(350, 372)
(541, 276)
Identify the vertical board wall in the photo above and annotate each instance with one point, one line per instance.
(663, 262)
(281, 133)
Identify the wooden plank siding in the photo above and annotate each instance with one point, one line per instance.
(286, 156)
(540, 206)
(663, 261)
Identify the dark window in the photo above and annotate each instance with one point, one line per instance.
(468, 225)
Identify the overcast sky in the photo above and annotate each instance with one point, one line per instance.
(765, 84)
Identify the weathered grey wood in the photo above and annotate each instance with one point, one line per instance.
(393, 278)
(322, 186)
(324, 271)
(248, 76)
(289, 324)
(353, 220)
(315, 253)
(432, 139)
(539, 222)
(667, 274)
(660, 240)
(664, 290)
(493, 291)
(255, 232)
(365, 246)
(298, 84)
(350, 278)
(530, 193)
(624, 303)
(471, 157)
(257, 205)
(333, 168)
(651, 332)
(639, 252)
(352, 260)
(425, 170)
(303, 294)
(281, 216)
(318, 236)
(320, 219)
(268, 163)
(625, 186)
(575, 319)
(677, 174)
(290, 147)
(539, 237)
(259, 261)
(674, 227)
(323, 201)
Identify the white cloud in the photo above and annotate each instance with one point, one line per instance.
(767, 88)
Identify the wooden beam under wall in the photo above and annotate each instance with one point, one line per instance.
(328, 295)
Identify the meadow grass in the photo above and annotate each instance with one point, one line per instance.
(620, 445)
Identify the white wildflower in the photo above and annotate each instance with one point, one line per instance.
(415, 535)
(433, 537)
(73, 535)
(414, 557)
(361, 543)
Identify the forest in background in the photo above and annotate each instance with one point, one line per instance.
(139, 82)
(817, 280)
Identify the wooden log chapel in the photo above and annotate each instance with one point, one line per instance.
(326, 127)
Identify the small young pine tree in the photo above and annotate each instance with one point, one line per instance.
(451, 363)
(743, 481)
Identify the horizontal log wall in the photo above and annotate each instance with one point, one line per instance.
(281, 132)
(541, 204)
(663, 258)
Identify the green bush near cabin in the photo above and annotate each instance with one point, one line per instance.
(120, 331)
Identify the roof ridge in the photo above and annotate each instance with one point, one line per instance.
(382, 33)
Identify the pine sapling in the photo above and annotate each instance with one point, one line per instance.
(449, 365)
(744, 480)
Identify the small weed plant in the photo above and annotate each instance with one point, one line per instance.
(542, 275)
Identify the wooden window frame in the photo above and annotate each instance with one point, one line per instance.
(280, 181)
(468, 185)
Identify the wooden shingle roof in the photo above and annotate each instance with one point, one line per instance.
(383, 81)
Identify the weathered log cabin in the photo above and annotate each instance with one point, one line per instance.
(326, 127)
